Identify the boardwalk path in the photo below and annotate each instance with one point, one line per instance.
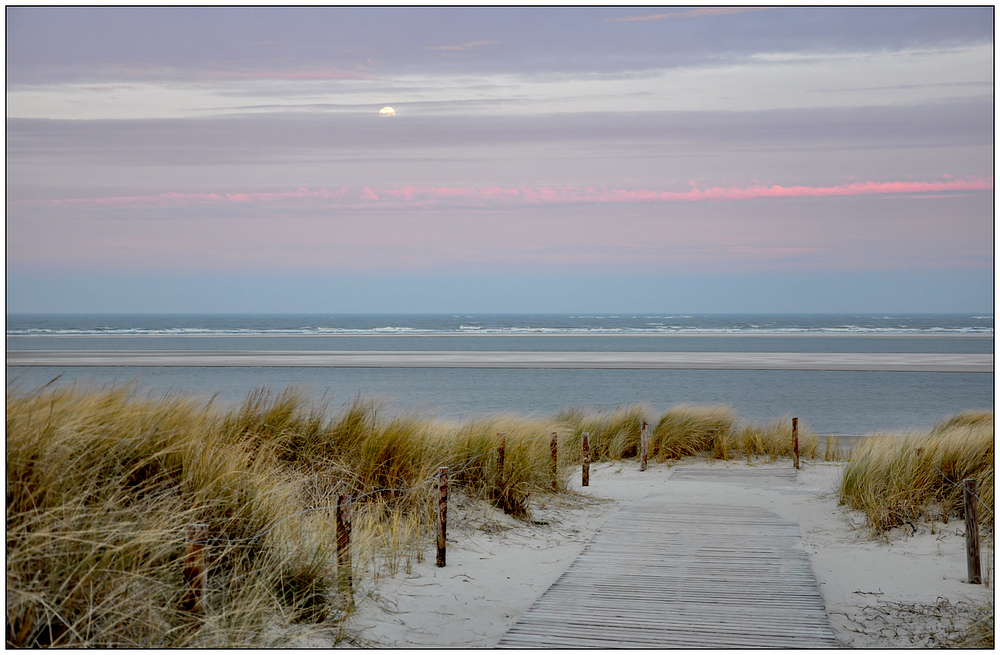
(668, 573)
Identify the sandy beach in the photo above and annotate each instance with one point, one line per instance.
(928, 362)
(909, 591)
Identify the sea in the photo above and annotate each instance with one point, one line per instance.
(828, 402)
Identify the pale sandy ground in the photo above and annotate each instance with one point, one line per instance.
(909, 592)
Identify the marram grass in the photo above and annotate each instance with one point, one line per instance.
(895, 479)
(101, 485)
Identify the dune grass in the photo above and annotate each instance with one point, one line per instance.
(714, 431)
(101, 485)
(895, 479)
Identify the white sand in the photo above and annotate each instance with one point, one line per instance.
(908, 592)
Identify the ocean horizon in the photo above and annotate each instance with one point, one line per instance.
(849, 402)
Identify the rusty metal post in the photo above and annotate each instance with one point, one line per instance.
(972, 531)
(442, 515)
(343, 521)
(795, 441)
(195, 572)
(554, 447)
(586, 459)
(644, 445)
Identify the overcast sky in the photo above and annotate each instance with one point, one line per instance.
(561, 160)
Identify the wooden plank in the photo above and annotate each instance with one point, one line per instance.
(665, 573)
(720, 472)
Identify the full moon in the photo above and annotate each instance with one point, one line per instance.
(387, 111)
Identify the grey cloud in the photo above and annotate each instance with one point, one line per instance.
(304, 136)
(69, 43)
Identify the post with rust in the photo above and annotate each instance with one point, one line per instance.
(554, 447)
(501, 453)
(343, 520)
(972, 531)
(195, 573)
(644, 445)
(795, 441)
(442, 514)
(586, 459)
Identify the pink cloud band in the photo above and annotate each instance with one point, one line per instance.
(487, 196)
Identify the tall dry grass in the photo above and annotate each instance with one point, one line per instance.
(714, 431)
(101, 485)
(895, 479)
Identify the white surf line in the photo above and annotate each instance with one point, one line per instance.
(925, 362)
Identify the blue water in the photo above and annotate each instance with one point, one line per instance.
(836, 402)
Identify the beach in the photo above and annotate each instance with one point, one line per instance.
(907, 591)
(289, 287)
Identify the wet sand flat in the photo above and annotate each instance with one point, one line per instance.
(929, 362)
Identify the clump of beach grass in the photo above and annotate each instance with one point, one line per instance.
(100, 487)
(898, 478)
(614, 434)
(712, 431)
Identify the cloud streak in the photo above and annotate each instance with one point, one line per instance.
(691, 13)
(464, 46)
(413, 195)
(331, 73)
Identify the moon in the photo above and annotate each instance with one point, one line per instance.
(386, 111)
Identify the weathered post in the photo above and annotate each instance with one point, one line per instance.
(501, 453)
(554, 447)
(343, 524)
(795, 441)
(442, 514)
(195, 573)
(972, 531)
(644, 445)
(586, 459)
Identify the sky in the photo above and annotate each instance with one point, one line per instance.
(556, 160)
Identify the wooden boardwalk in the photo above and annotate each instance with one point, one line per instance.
(665, 573)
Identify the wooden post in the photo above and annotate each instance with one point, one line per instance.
(554, 447)
(643, 445)
(972, 531)
(795, 441)
(442, 514)
(195, 574)
(586, 459)
(501, 453)
(343, 521)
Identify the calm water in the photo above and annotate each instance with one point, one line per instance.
(833, 402)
